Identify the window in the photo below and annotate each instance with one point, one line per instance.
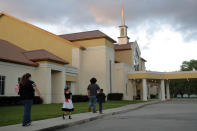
(68, 84)
(136, 60)
(2, 85)
(121, 32)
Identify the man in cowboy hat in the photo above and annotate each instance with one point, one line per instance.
(93, 88)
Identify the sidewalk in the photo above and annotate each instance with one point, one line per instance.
(58, 123)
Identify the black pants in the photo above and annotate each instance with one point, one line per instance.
(100, 107)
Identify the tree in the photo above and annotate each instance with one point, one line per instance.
(189, 65)
(186, 86)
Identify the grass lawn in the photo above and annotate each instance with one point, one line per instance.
(13, 114)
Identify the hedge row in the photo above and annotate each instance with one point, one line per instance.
(80, 98)
(16, 100)
(115, 96)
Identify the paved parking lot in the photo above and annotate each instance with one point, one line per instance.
(175, 115)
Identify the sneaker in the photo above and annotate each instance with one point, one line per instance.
(63, 117)
(70, 117)
(28, 124)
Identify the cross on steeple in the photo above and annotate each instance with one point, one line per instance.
(123, 39)
(123, 20)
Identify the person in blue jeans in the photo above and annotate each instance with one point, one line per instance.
(26, 91)
(93, 88)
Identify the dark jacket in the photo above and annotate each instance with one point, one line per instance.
(26, 91)
(100, 97)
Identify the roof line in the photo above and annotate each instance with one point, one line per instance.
(92, 38)
(121, 49)
(79, 32)
(45, 59)
(143, 59)
(17, 62)
(106, 36)
(40, 29)
(49, 59)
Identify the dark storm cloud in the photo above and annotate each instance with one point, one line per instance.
(180, 14)
(44, 11)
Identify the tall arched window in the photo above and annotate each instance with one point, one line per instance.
(136, 60)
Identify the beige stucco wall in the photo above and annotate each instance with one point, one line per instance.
(142, 65)
(57, 86)
(54, 83)
(134, 84)
(12, 73)
(30, 37)
(93, 65)
(40, 75)
(77, 58)
(123, 40)
(122, 84)
(91, 42)
(94, 62)
(71, 78)
(43, 81)
(95, 42)
(110, 58)
(124, 56)
(119, 78)
(109, 44)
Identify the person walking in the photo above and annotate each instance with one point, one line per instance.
(93, 88)
(26, 91)
(101, 98)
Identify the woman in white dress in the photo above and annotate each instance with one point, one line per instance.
(67, 106)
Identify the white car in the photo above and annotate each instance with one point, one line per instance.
(193, 96)
(178, 95)
(185, 95)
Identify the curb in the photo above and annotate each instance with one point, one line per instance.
(96, 117)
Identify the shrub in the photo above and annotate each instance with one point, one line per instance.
(37, 100)
(152, 96)
(80, 98)
(115, 96)
(16, 100)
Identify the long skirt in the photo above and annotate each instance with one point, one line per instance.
(68, 106)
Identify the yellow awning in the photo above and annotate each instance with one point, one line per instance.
(162, 75)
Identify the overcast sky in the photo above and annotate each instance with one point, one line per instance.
(166, 30)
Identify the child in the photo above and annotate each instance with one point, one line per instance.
(101, 99)
(67, 106)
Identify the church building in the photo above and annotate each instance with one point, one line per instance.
(56, 61)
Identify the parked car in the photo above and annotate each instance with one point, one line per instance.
(193, 96)
(185, 95)
(178, 95)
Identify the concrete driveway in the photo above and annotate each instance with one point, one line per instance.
(175, 115)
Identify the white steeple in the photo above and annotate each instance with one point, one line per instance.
(123, 39)
(123, 20)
